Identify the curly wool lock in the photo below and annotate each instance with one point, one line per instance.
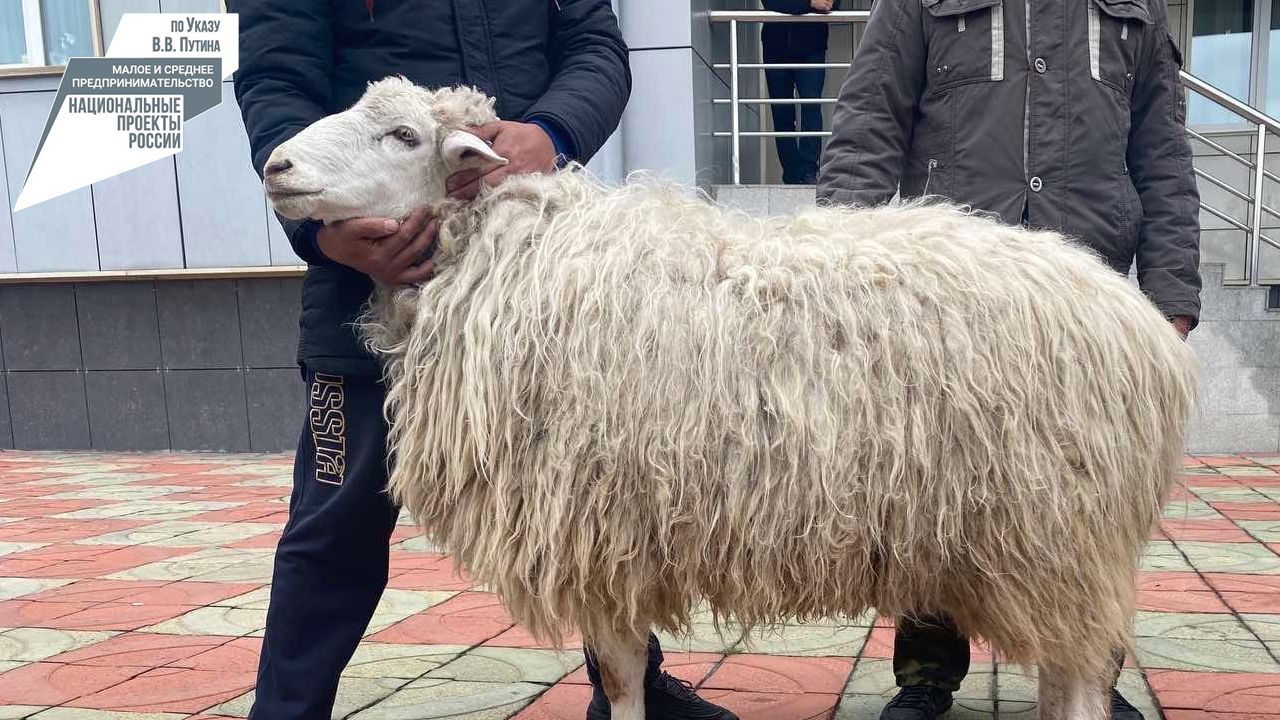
(613, 403)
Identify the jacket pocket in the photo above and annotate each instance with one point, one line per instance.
(1116, 28)
(966, 42)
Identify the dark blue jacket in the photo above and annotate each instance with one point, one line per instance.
(793, 42)
(562, 63)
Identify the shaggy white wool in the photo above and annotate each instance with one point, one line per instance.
(613, 403)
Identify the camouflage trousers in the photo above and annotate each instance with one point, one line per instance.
(930, 651)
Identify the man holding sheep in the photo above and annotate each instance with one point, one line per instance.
(1066, 115)
(558, 70)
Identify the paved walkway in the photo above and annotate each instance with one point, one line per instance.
(134, 587)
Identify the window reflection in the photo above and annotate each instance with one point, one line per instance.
(1273, 61)
(1221, 53)
(44, 32)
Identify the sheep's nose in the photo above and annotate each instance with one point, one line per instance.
(275, 167)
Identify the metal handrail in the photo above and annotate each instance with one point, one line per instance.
(831, 18)
(1261, 122)
(1243, 110)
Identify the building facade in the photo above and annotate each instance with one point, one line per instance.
(157, 310)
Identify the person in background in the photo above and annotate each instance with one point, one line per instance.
(789, 42)
(1061, 115)
(559, 72)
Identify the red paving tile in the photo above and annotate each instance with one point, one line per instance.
(118, 616)
(1211, 530)
(1230, 582)
(95, 591)
(879, 643)
(518, 637)
(465, 619)
(561, 702)
(1248, 511)
(173, 690)
(1224, 460)
(775, 706)
(1180, 602)
(34, 507)
(257, 512)
(142, 650)
(424, 571)
(1256, 693)
(690, 667)
(1206, 481)
(55, 683)
(59, 531)
(1205, 715)
(144, 592)
(25, 613)
(778, 674)
(237, 655)
(83, 561)
(1172, 581)
(266, 541)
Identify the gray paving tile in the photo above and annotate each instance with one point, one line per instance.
(806, 640)
(510, 665)
(36, 644)
(1253, 559)
(433, 698)
(1163, 556)
(874, 678)
(407, 662)
(1205, 655)
(354, 693)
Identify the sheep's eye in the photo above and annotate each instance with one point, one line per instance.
(406, 135)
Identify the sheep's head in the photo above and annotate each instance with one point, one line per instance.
(387, 155)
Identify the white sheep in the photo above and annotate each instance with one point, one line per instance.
(612, 404)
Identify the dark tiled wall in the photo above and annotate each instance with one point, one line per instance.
(181, 365)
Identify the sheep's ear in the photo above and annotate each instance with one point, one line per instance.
(463, 151)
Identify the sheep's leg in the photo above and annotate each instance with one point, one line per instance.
(1063, 697)
(621, 659)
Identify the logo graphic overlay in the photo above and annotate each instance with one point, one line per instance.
(116, 113)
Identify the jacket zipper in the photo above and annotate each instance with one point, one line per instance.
(928, 178)
(1026, 105)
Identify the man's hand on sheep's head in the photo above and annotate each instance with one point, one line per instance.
(393, 253)
(527, 146)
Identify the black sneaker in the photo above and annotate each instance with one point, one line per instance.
(917, 702)
(666, 698)
(1121, 709)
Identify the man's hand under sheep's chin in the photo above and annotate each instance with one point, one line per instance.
(393, 253)
(526, 146)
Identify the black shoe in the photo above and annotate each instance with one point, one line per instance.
(666, 698)
(1121, 709)
(917, 702)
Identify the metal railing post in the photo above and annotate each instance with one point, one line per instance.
(1254, 248)
(734, 102)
